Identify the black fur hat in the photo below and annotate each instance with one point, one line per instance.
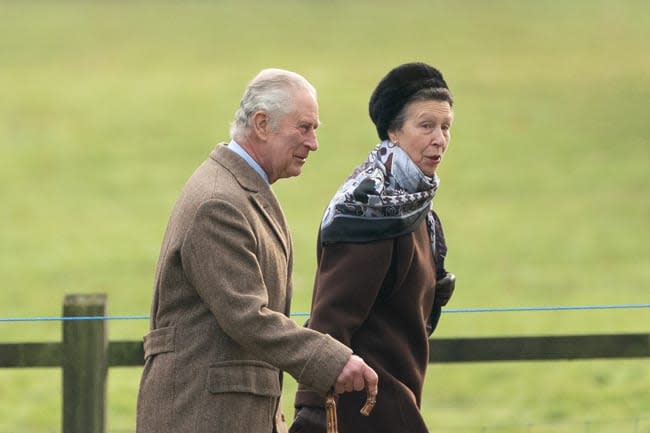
(395, 90)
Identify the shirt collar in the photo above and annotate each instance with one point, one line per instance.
(235, 147)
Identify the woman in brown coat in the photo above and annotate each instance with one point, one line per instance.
(381, 280)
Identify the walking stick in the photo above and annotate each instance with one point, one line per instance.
(330, 410)
(330, 413)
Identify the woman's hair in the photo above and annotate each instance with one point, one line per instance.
(427, 94)
(271, 91)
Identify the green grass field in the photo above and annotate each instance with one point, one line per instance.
(107, 107)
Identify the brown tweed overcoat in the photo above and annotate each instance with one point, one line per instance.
(220, 333)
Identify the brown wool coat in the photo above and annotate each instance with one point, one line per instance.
(220, 332)
(376, 297)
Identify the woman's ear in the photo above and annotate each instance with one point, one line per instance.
(393, 137)
(260, 124)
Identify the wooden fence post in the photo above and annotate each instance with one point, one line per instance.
(85, 365)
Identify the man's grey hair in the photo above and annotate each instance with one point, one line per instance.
(271, 91)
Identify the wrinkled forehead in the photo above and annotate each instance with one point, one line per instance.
(436, 108)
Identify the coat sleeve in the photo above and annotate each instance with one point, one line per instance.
(219, 256)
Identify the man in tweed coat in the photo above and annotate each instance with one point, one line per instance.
(220, 335)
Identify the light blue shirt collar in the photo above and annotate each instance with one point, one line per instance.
(235, 147)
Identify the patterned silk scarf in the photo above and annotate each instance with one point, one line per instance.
(385, 197)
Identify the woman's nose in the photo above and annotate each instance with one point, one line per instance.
(438, 138)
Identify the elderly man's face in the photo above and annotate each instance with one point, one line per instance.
(425, 134)
(289, 143)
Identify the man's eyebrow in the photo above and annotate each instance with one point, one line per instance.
(315, 124)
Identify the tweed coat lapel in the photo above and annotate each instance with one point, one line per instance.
(260, 192)
(269, 206)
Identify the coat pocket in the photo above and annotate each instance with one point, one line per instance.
(251, 377)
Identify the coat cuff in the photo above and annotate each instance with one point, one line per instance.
(325, 365)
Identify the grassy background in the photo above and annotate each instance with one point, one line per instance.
(107, 107)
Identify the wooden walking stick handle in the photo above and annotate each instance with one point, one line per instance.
(371, 399)
(330, 409)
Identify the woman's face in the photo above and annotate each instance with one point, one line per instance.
(425, 134)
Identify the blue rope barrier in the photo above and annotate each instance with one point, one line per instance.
(550, 308)
(303, 314)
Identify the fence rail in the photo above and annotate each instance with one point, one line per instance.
(443, 350)
(85, 354)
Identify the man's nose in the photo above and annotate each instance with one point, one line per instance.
(312, 142)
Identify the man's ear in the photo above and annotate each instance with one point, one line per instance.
(260, 124)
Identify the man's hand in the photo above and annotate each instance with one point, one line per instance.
(356, 376)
